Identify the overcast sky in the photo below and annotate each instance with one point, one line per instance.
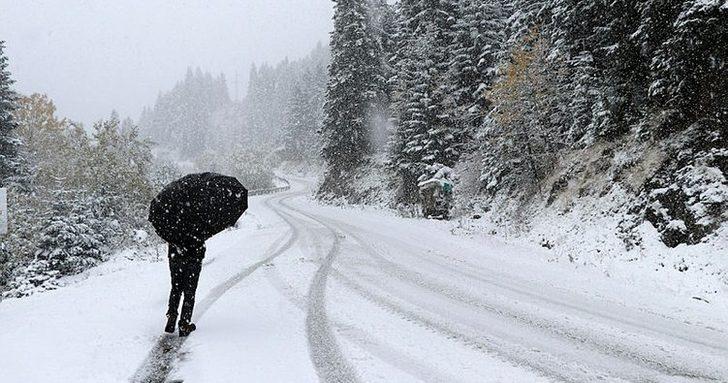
(92, 56)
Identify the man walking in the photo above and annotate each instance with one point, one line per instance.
(185, 263)
(186, 213)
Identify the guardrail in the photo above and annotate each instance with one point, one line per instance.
(271, 190)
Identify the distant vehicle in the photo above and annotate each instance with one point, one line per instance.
(436, 192)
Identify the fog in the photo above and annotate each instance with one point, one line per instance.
(93, 56)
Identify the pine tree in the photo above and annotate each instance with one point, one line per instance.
(182, 119)
(656, 24)
(74, 238)
(295, 124)
(524, 15)
(690, 66)
(350, 93)
(479, 37)
(601, 36)
(384, 24)
(427, 133)
(303, 115)
(8, 103)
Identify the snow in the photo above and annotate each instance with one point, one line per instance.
(677, 224)
(95, 330)
(301, 292)
(584, 236)
(249, 334)
(100, 328)
(140, 235)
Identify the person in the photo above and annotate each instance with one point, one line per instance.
(185, 264)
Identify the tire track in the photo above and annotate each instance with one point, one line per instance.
(478, 343)
(605, 345)
(612, 349)
(387, 354)
(475, 273)
(160, 360)
(326, 355)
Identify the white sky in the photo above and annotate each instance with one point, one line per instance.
(92, 56)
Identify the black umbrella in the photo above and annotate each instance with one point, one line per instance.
(196, 207)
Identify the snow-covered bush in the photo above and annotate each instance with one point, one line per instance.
(70, 245)
(86, 196)
(32, 278)
(74, 236)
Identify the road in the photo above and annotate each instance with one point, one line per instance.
(383, 300)
(302, 292)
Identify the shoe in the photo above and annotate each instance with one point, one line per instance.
(186, 329)
(171, 321)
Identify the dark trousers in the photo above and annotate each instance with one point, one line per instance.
(184, 266)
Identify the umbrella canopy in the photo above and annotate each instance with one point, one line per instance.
(197, 206)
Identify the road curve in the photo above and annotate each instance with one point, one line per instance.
(426, 285)
(559, 336)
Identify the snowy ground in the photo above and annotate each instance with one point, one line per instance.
(585, 235)
(302, 292)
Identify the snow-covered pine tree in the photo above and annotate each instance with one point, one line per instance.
(624, 66)
(523, 15)
(584, 87)
(580, 81)
(9, 163)
(45, 161)
(182, 119)
(401, 60)
(303, 116)
(656, 24)
(690, 66)
(8, 140)
(265, 104)
(427, 133)
(479, 36)
(521, 132)
(294, 124)
(73, 239)
(121, 164)
(600, 36)
(255, 100)
(350, 93)
(384, 24)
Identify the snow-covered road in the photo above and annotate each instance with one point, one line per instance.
(303, 292)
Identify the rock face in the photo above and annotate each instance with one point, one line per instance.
(687, 198)
(676, 183)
